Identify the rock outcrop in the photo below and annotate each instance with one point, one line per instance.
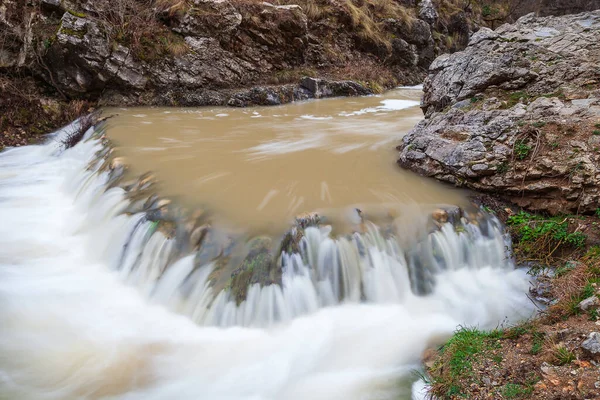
(517, 113)
(184, 52)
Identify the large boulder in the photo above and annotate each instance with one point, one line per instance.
(517, 113)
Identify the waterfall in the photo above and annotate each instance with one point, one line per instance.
(97, 300)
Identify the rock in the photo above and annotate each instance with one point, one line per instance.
(320, 88)
(258, 267)
(541, 291)
(440, 216)
(504, 127)
(427, 12)
(588, 303)
(52, 4)
(592, 344)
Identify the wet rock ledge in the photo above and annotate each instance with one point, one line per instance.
(517, 113)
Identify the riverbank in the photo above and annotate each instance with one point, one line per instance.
(28, 112)
(555, 354)
(522, 131)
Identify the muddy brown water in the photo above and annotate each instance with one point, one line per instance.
(259, 167)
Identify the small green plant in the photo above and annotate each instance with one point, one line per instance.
(596, 132)
(514, 391)
(538, 343)
(593, 314)
(593, 252)
(503, 167)
(517, 97)
(587, 291)
(597, 125)
(521, 149)
(554, 145)
(539, 124)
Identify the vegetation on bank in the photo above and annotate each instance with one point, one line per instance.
(543, 357)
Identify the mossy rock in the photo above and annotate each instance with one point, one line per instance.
(259, 266)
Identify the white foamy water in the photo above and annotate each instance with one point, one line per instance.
(86, 312)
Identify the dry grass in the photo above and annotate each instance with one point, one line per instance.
(172, 7)
(78, 131)
(136, 24)
(577, 284)
(366, 16)
(372, 74)
(315, 10)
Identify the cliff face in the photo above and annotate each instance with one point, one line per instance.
(517, 113)
(190, 52)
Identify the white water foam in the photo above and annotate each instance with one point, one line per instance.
(387, 105)
(81, 319)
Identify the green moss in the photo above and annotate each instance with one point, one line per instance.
(72, 32)
(259, 266)
(76, 13)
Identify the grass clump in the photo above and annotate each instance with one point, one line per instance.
(538, 343)
(561, 355)
(539, 238)
(451, 371)
(516, 98)
(515, 391)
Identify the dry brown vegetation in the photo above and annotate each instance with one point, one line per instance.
(26, 113)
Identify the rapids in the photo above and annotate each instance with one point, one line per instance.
(94, 304)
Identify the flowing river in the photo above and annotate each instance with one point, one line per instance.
(104, 294)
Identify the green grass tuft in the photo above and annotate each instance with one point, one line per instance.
(515, 391)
